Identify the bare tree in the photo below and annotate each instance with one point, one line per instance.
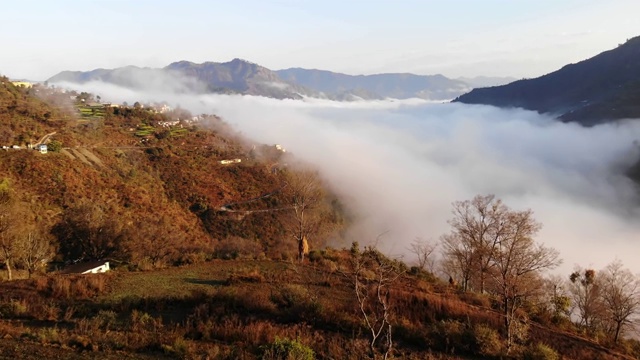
(557, 297)
(35, 249)
(423, 250)
(518, 261)
(457, 259)
(621, 296)
(373, 275)
(585, 289)
(9, 217)
(478, 226)
(8, 248)
(305, 195)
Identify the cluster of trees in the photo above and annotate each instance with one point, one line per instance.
(90, 229)
(604, 301)
(491, 249)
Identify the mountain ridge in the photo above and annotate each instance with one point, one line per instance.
(240, 76)
(387, 85)
(605, 87)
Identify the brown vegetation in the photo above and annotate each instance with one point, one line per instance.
(207, 256)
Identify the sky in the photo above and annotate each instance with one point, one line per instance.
(518, 38)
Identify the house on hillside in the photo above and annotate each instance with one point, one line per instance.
(42, 148)
(91, 267)
(232, 161)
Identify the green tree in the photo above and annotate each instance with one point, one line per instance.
(54, 145)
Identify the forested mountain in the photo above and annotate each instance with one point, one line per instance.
(236, 76)
(243, 77)
(603, 88)
(396, 86)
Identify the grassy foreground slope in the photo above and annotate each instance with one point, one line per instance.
(234, 309)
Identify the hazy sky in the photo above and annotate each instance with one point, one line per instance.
(523, 38)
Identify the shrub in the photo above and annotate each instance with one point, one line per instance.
(449, 336)
(487, 340)
(540, 352)
(290, 295)
(13, 308)
(180, 348)
(316, 255)
(286, 349)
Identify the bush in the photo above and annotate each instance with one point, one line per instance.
(13, 308)
(285, 349)
(290, 295)
(450, 336)
(540, 352)
(487, 340)
(315, 255)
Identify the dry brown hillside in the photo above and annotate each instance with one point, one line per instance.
(205, 253)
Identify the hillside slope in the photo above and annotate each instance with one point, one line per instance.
(144, 175)
(204, 257)
(603, 88)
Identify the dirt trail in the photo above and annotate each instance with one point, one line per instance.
(67, 154)
(92, 157)
(80, 156)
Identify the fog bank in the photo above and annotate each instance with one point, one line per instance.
(400, 164)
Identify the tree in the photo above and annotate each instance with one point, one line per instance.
(620, 295)
(305, 196)
(585, 291)
(8, 219)
(423, 250)
(35, 249)
(156, 240)
(478, 226)
(8, 245)
(518, 261)
(458, 258)
(557, 298)
(54, 145)
(493, 246)
(373, 275)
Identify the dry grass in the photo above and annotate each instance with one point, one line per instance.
(230, 309)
